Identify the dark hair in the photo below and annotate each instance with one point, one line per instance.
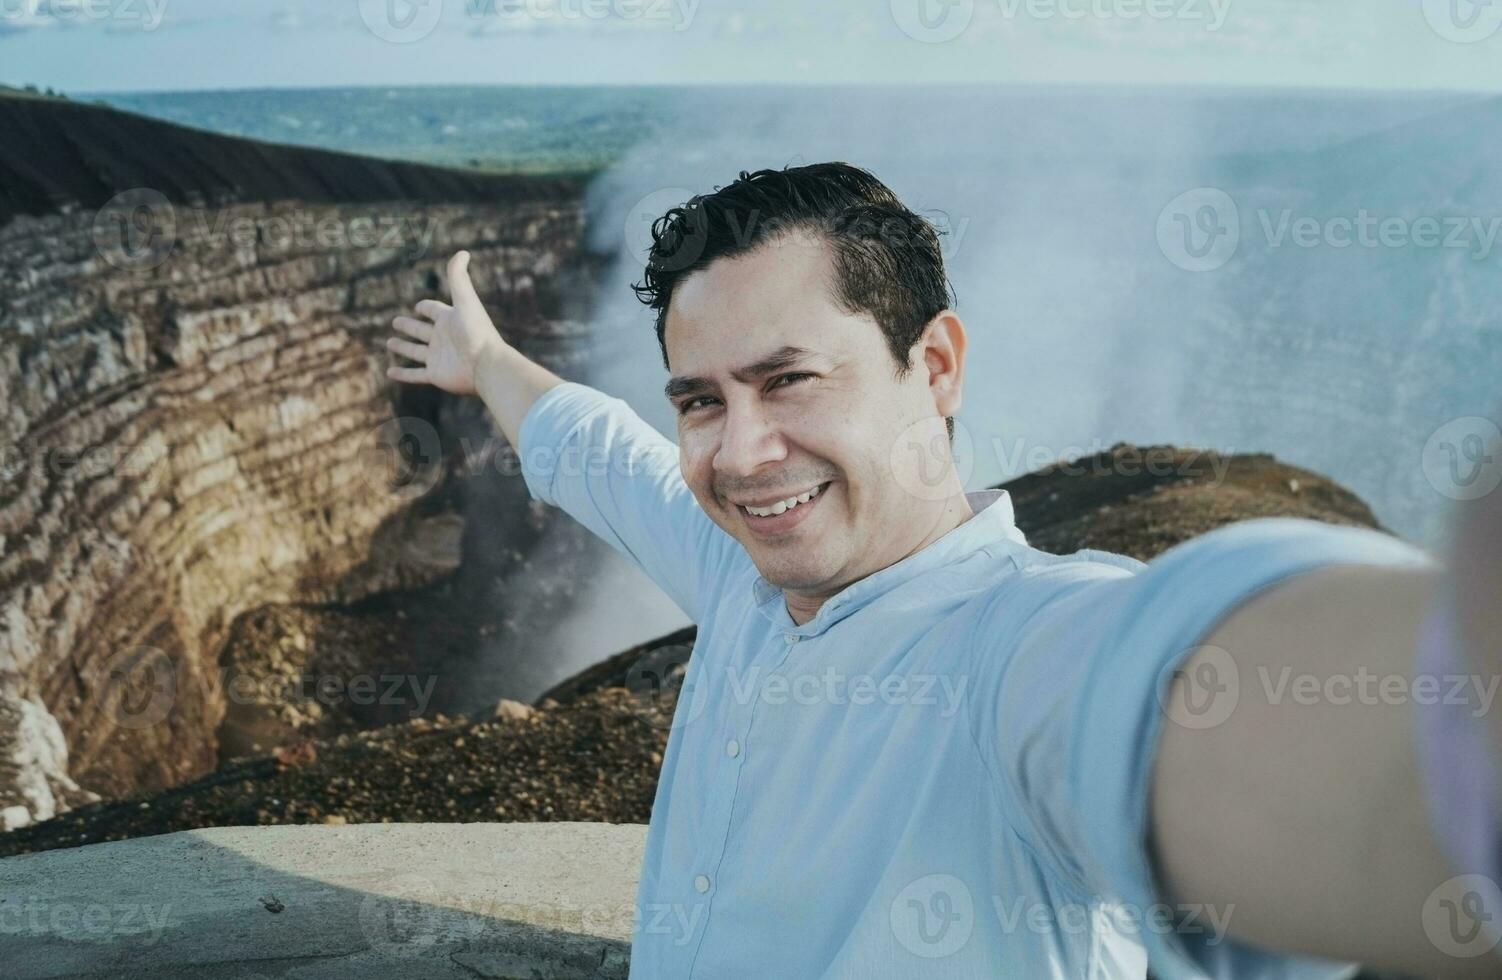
(886, 258)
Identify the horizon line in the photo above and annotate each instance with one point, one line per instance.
(800, 86)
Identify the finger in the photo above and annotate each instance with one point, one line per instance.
(408, 374)
(416, 352)
(461, 289)
(432, 309)
(421, 329)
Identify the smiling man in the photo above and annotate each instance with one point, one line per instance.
(791, 403)
(910, 745)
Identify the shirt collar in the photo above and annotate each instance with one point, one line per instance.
(993, 522)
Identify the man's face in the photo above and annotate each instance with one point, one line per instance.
(787, 395)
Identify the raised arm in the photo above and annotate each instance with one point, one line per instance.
(456, 347)
(581, 450)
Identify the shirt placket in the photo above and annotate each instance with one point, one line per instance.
(734, 745)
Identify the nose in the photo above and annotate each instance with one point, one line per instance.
(749, 440)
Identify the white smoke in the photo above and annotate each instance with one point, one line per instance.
(1082, 333)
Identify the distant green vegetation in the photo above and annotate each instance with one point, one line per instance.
(527, 130)
(31, 92)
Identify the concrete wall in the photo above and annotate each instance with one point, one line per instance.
(544, 901)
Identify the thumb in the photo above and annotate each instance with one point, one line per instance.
(461, 289)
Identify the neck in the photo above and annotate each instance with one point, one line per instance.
(803, 607)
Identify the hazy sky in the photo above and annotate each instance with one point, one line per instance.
(122, 45)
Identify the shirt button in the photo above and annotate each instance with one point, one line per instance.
(732, 748)
(790, 637)
(701, 883)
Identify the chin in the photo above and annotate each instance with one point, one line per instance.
(799, 577)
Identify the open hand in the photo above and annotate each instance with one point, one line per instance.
(448, 340)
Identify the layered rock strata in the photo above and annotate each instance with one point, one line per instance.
(195, 419)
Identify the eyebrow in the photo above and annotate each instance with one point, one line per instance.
(782, 357)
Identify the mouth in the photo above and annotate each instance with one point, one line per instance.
(782, 516)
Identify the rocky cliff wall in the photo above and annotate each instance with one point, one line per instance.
(194, 417)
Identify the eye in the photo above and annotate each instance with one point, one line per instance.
(688, 406)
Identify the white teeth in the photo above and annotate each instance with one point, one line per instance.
(783, 506)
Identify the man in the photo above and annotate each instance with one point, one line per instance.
(908, 744)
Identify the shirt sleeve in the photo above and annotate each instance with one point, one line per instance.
(592, 456)
(1087, 655)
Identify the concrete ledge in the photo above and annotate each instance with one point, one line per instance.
(543, 901)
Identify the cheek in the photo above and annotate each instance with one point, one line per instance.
(820, 425)
(837, 430)
(695, 458)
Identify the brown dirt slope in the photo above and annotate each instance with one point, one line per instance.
(60, 154)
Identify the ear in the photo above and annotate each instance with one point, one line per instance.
(942, 347)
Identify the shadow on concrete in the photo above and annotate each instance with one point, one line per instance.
(387, 901)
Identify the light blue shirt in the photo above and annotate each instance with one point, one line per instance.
(945, 772)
